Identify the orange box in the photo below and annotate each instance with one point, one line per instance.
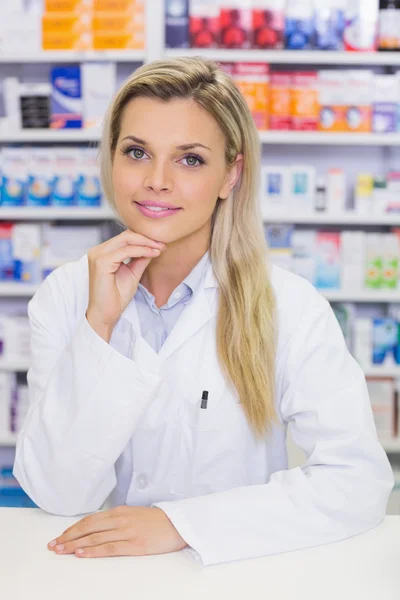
(359, 90)
(304, 100)
(279, 101)
(66, 23)
(332, 100)
(112, 41)
(65, 41)
(253, 81)
(118, 23)
(118, 5)
(67, 5)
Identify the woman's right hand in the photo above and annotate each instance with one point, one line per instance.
(112, 284)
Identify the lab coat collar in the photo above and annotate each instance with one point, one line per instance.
(196, 314)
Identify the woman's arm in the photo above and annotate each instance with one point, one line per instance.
(343, 487)
(85, 399)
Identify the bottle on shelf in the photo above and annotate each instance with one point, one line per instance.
(389, 25)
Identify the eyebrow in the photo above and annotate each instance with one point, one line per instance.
(182, 147)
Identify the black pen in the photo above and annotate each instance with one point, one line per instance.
(204, 400)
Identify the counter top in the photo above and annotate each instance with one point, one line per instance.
(363, 567)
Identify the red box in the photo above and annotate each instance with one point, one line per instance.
(204, 24)
(235, 27)
(268, 27)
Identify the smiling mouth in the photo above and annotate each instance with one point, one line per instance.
(157, 208)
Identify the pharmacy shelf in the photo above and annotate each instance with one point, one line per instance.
(54, 213)
(382, 371)
(15, 365)
(290, 57)
(315, 138)
(349, 218)
(8, 440)
(361, 295)
(391, 446)
(17, 289)
(65, 56)
(50, 135)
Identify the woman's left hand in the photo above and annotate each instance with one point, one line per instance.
(121, 531)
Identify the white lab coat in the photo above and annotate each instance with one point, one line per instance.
(120, 417)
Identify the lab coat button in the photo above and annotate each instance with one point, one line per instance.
(142, 481)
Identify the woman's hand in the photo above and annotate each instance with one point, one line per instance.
(121, 531)
(112, 283)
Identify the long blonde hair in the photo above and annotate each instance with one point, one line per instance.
(246, 323)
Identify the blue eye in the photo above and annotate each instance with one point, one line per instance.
(195, 157)
(134, 153)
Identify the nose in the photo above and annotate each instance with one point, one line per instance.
(157, 178)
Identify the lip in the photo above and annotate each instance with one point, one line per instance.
(164, 214)
(157, 203)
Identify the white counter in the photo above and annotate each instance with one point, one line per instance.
(364, 567)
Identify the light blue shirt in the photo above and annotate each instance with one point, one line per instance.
(156, 323)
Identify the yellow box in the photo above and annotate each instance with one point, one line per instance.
(65, 41)
(112, 41)
(66, 23)
(118, 6)
(118, 23)
(67, 5)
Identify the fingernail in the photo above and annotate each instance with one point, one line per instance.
(60, 547)
(80, 551)
(52, 544)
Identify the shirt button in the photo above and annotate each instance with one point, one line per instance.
(177, 295)
(142, 481)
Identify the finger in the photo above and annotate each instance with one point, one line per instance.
(129, 237)
(94, 539)
(117, 257)
(121, 548)
(90, 524)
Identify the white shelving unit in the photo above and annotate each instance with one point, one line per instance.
(291, 57)
(315, 218)
(361, 295)
(69, 56)
(33, 213)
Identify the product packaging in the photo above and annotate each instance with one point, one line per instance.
(40, 177)
(66, 98)
(235, 23)
(329, 24)
(391, 259)
(384, 340)
(336, 191)
(393, 192)
(386, 93)
(363, 342)
(268, 24)
(304, 254)
(345, 314)
(381, 392)
(302, 188)
(14, 176)
(98, 87)
(88, 187)
(26, 242)
(361, 25)
(275, 189)
(34, 105)
(358, 100)
(279, 240)
(65, 175)
(389, 25)
(204, 24)
(6, 252)
(332, 99)
(253, 81)
(374, 264)
(280, 101)
(328, 267)
(353, 249)
(364, 194)
(304, 101)
(299, 24)
(177, 23)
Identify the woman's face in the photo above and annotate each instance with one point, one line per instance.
(170, 152)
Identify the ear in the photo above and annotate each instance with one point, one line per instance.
(231, 177)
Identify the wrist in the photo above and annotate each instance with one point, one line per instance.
(104, 330)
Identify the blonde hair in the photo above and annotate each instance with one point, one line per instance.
(246, 324)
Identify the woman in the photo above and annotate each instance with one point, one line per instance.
(168, 362)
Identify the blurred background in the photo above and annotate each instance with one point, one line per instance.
(322, 79)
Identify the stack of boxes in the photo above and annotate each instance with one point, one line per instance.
(93, 25)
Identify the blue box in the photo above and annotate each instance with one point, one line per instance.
(177, 23)
(66, 98)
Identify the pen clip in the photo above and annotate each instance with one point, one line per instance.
(204, 399)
